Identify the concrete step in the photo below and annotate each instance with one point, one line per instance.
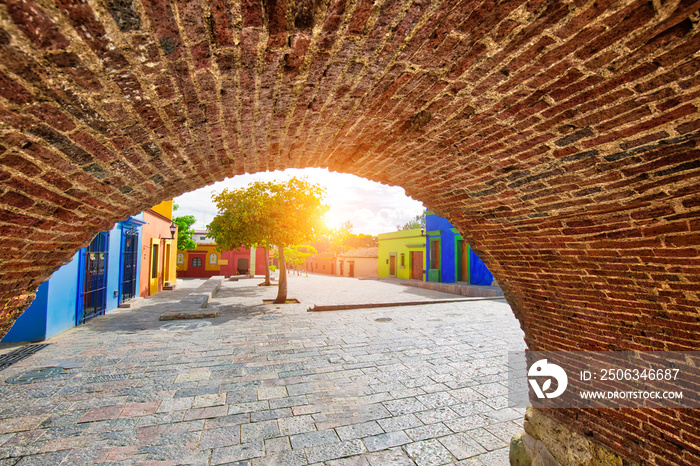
(192, 306)
(129, 303)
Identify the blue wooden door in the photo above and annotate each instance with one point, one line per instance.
(130, 256)
(93, 289)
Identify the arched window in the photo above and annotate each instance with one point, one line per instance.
(196, 262)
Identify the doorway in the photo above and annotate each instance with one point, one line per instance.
(466, 251)
(166, 263)
(417, 265)
(243, 266)
(166, 266)
(93, 300)
(130, 257)
(459, 253)
(153, 280)
(392, 265)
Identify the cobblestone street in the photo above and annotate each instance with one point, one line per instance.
(272, 384)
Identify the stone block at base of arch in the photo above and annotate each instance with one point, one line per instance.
(548, 442)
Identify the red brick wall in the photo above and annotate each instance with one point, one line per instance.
(559, 137)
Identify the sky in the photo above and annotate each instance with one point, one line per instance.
(371, 207)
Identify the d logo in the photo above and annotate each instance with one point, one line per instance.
(544, 369)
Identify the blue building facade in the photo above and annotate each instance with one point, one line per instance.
(449, 258)
(98, 279)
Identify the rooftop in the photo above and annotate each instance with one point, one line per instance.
(362, 252)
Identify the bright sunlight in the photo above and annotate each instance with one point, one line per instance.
(370, 207)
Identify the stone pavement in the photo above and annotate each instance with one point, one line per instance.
(272, 385)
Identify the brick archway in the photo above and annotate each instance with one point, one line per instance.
(559, 136)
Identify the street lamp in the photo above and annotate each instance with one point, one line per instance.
(422, 230)
(173, 229)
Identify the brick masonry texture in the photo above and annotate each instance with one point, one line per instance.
(560, 138)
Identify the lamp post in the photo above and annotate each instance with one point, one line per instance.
(173, 229)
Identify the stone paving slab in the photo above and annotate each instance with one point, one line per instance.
(272, 384)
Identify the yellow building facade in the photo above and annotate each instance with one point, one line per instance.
(402, 255)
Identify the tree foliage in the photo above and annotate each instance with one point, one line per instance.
(269, 214)
(185, 232)
(356, 241)
(343, 239)
(416, 222)
(297, 254)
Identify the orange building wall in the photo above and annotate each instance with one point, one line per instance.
(156, 231)
(321, 264)
(365, 267)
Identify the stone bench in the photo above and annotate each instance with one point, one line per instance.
(193, 306)
(235, 278)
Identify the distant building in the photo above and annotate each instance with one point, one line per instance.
(361, 263)
(158, 249)
(322, 263)
(450, 259)
(207, 261)
(401, 254)
(100, 277)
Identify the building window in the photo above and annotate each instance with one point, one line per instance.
(196, 262)
(403, 260)
(212, 259)
(202, 238)
(435, 254)
(180, 259)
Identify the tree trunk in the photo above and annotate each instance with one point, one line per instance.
(282, 284)
(267, 268)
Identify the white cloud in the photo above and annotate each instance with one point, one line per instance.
(371, 207)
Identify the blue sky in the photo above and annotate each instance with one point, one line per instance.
(371, 207)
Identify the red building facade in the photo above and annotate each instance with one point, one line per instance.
(206, 261)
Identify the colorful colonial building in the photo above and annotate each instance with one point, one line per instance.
(360, 263)
(401, 254)
(206, 260)
(100, 277)
(321, 263)
(435, 253)
(158, 249)
(135, 258)
(450, 259)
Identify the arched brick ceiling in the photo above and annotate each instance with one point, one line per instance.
(559, 136)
